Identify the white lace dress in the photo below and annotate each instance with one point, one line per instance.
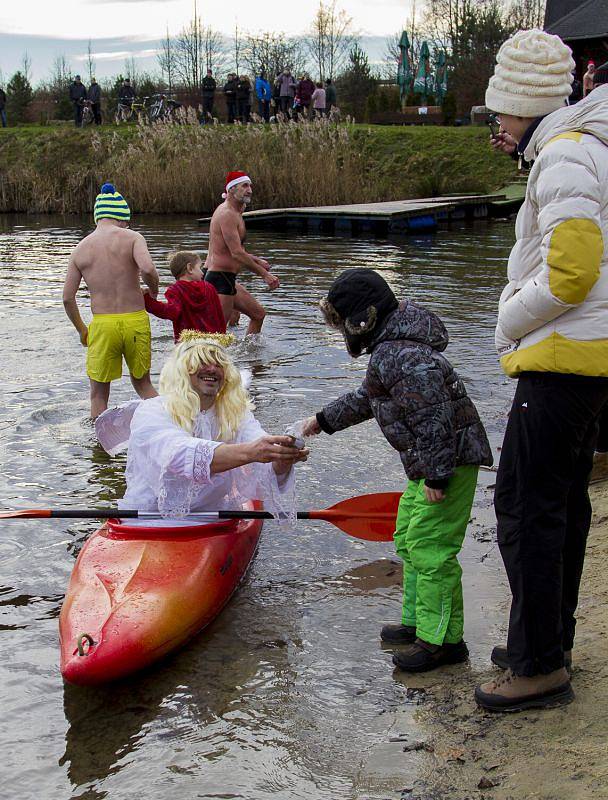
(168, 469)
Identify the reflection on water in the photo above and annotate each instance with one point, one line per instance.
(285, 694)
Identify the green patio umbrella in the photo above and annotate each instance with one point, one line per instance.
(423, 81)
(404, 72)
(441, 76)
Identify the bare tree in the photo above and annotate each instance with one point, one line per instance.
(525, 14)
(26, 67)
(166, 60)
(132, 71)
(330, 39)
(392, 51)
(237, 48)
(196, 49)
(90, 62)
(213, 49)
(271, 53)
(471, 32)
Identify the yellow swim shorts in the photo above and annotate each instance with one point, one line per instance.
(112, 336)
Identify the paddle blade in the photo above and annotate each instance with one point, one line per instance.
(27, 513)
(369, 516)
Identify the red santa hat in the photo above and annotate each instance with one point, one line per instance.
(233, 179)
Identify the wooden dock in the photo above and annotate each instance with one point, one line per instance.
(397, 216)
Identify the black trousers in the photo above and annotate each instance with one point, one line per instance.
(208, 104)
(244, 110)
(602, 436)
(543, 511)
(231, 107)
(96, 109)
(77, 113)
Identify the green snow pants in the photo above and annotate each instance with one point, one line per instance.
(428, 537)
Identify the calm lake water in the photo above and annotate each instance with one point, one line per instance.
(289, 693)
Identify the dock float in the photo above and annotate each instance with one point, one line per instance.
(395, 216)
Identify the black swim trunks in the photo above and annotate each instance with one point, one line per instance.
(224, 282)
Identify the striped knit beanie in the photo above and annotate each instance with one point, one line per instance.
(109, 204)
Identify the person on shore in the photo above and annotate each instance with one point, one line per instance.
(263, 93)
(600, 457)
(230, 95)
(78, 94)
(588, 78)
(3, 107)
(94, 97)
(330, 95)
(304, 90)
(287, 86)
(198, 446)
(227, 256)
(208, 86)
(110, 261)
(424, 412)
(243, 98)
(126, 93)
(552, 335)
(276, 95)
(192, 304)
(576, 92)
(318, 100)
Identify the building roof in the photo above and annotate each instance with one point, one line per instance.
(588, 21)
(556, 9)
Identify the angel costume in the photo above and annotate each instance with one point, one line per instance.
(169, 470)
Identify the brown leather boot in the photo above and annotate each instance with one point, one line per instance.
(600, 468)
(501, 659)
(511, 692)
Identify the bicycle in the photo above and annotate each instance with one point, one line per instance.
(125, 112)
(163, 109)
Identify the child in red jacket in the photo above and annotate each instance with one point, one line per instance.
(191, 303)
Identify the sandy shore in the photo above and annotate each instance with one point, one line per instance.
(558, 754)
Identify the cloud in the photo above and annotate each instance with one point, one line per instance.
(117, 55)
(125, 2)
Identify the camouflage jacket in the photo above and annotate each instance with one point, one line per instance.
(417, 398)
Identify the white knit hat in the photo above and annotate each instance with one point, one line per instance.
(533, 75)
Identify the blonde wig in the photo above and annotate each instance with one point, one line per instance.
(183, 403)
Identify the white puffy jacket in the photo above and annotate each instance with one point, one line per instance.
(553, 313)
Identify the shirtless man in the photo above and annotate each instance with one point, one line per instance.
(111, 260)
(227, 256)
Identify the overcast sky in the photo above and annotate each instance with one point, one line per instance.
(119, 28)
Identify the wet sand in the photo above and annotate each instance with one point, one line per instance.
(463, 753)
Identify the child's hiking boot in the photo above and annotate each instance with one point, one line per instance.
(500, 658)
(398, 634)
(511, 692)
(422, 656)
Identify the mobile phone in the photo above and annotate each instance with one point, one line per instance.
(494, 126)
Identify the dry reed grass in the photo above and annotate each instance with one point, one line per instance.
(173, 168)
(170, 168)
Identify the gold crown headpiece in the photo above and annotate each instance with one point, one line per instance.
(199, 337)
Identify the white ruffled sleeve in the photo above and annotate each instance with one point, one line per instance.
(277, 492)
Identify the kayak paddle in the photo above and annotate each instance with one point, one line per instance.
(369, 516)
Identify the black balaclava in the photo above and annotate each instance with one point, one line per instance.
(357, 303)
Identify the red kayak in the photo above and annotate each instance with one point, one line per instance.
(136, 593)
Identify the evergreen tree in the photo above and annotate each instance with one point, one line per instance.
(356, 83)
(18, 96)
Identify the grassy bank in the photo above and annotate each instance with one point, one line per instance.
(180, 169)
